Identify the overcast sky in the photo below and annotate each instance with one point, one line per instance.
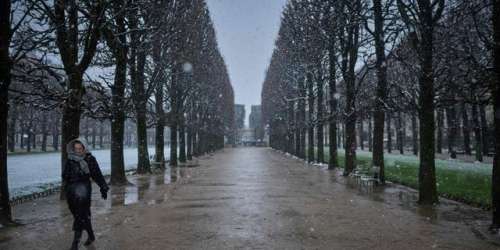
(246, 31)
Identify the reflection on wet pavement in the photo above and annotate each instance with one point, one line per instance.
(395, 196)
(144, 188)
(406, 198)
(151, 189)
(141, 189)
(257, 198)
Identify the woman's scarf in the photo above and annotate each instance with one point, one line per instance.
(81, 160)
(84, 167)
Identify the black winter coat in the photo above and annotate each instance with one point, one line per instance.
(79, 190)
(73, 174)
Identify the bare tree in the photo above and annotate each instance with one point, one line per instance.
(349, 46)
(114, 33)
(379, 36)
(15, 34)
(421, 29)
(5, 80)
(495, 183)
(139, 48)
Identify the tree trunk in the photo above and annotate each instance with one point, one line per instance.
(137, 61)
(196, 142)
(173, 144)
(333, 134)
(339, 135)
(440, 124)
(160, 126)
(302, 118)
(5, 80)
(427, 171)
(23, 132)
(290, 127)
(319, 117)
(140, 102)
(349, 58)
(190, 143)
(118, 176)
(120, 51)
(350, 138)
(466, 129)
(350, 126)
(86, 125)
(30, 137)
(182, 141)
(310, 122)
(44, 132)
(94, 134)
(401, 133)
(68, 40)
(33, 135)
(495, 183)
(297, 131)
(143, 165)
(477, 133)
(484, 129)
(389, 133)
(414, 133)
(128, 133)
(12, 125)
(379, 113)
(55, 131)
(451, 119)
(159, 100)
(202, 142)
(370, 135)
(344, 136)
(5, 211)
(70, 123)
(361, 134)
(101, 135)
(173, 123)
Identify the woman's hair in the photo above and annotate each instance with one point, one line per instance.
(78, 142)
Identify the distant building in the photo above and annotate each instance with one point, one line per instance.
(239, 119)
(256, 123)
(247, 136)
(239, 116)
(255, 116)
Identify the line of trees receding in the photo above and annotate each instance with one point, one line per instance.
(367, 70)
(67, 67)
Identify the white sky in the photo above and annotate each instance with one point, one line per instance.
(246, 32)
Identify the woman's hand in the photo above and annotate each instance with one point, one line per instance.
(104, 193)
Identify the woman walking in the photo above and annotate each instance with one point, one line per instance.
(79, 168)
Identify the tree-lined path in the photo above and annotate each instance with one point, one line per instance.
(255, 198)
(365, 91)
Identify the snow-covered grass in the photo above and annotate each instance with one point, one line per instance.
(33, 173)
(467, 182)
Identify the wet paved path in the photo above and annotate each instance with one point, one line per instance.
(254, 198)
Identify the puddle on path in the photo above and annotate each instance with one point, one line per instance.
(148, 189)
(398, 196)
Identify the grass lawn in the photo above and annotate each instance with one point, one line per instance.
(466, 182)
(24, 152)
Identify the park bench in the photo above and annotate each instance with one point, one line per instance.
(366, 177)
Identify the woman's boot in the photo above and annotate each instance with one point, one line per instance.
(91, 236)
(76, 240)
